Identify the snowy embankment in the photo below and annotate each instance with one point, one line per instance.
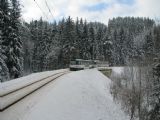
(82, 95)
(14, 90)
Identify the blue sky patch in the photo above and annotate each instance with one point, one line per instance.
(97, 7)
(128, 2)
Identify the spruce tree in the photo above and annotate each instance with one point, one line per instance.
(69, 39)
(4, 32)
(92, 42)
(85, 42)
(4, 73)
(14, 43)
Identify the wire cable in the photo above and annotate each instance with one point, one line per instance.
(41, 9)
(49, 8)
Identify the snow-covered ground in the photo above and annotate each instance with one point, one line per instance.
(11, 98)
(81, 95)
(117, 70)
(14, 84)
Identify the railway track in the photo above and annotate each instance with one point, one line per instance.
(12, 96)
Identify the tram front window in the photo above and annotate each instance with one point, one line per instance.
(73, 62)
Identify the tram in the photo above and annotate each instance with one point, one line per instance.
(80, 64)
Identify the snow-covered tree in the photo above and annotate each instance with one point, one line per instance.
(14, 43)
(154, 113)
(4, 72)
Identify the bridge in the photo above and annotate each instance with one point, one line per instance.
(59, 95)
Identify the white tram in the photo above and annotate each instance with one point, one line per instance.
(80, 64)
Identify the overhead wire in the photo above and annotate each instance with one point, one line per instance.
(52, 5)
(49, 9)
(23, 25)
(42, 13)
(41, 9)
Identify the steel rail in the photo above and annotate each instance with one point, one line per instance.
(16, 101)
(14, 90)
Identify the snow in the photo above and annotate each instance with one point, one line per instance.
(80, 95)
(117, 70)
(15, 84)
(17, 95)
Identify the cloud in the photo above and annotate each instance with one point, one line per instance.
(149, 8)
(92, 10)
(96, 7)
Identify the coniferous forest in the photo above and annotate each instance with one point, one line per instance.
(49, 46)
(125, 41)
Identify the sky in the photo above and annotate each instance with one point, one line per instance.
(91, 10)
